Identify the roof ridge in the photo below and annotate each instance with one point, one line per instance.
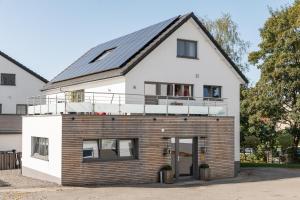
(23, 67)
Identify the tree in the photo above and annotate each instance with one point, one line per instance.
(225, 32)
(276, 96)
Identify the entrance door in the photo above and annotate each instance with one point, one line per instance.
(185, 160)
(184, 157)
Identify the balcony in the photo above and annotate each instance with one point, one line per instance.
(125, 104)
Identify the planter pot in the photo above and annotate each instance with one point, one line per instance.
(168, 176)
(204, 174)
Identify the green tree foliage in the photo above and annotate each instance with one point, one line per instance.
(275, 100)
(285, 140)
(225, 32)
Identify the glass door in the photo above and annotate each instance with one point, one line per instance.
(184, 157)
(185, 160)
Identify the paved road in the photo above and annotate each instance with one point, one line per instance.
(252, 184)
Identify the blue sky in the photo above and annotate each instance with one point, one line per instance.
(48, 35)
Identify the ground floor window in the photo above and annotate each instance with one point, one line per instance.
(110, 149)
(39, 148)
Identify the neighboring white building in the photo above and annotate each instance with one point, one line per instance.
(17, 82)
(175, 62)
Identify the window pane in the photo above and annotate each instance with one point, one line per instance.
(180, 48)
(212, 91)
(178, 90)
(109, 149)
(126, 148)
(191, 49)
(163, 89)
(170, 90)
(21, 109)
(8, 79)
(90, 149)
(206, 91)
(39, 148)
(187, 48)
(216, 92)
(187, 90)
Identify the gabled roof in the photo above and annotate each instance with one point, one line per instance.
(127, 52)
(23, 67)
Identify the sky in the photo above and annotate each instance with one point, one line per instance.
(48, 35)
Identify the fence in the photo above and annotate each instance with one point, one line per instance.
(10, 160)
(126, 104)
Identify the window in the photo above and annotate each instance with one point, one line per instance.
(211, 92)
(103, 55)
(90, 149)
(8, 79)
(76, 96)
(110, 149)
(180, 90)
(0, 108)
(21, 109)
(39, 148)
(186, 48)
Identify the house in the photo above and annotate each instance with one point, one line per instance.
(17, 83)
(166, 94)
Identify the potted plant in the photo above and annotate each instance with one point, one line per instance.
(204, 172)
(167, 174)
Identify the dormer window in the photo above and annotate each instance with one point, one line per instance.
(103, 55)
(186, 49)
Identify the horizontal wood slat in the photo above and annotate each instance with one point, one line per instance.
(76, 128)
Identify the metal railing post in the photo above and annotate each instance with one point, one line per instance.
(208, 111)
(34, 105)
(119, 105)
(167, 102)
(144, 105)
(56, 104)
(40, 104)
(65, 104)
(188, 106)
(93, 103)
(27, 104)
(48, 110)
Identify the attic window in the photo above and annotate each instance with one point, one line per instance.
(103, 55)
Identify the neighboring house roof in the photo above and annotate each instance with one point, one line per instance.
(127, 51)
(23, 67)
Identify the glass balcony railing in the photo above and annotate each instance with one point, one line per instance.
(125, 104)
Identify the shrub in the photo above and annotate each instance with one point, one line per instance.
(204, 166)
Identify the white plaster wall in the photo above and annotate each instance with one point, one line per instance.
(26, 85)
(48, 127)
(162, 65)
(9, 142)
(112, 85)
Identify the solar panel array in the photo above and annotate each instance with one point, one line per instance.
(125, 47)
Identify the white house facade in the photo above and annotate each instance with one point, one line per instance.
(179, 71)
(17, 83)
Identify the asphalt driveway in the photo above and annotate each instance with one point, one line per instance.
(252, 183)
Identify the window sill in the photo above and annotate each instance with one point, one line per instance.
(6, 85)
(47, 160)
(177, 98)
(193, 58)
(212, 99)
(90, 160)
